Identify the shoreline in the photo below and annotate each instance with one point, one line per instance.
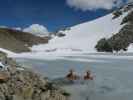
(19, 83)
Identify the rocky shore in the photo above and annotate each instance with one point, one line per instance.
(18, 83)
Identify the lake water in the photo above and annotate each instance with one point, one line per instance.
(113, 75)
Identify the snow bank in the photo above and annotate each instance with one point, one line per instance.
(9, 53)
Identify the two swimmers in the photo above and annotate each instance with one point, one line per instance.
(72, 76)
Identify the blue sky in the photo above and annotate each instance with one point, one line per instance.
(53, 14)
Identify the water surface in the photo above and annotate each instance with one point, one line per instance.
(113, 75)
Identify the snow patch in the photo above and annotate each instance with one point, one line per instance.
(130, 48)
(9, 53)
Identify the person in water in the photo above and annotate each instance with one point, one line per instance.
(72, 76)
(88, 76)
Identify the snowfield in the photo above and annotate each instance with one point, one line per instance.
(83, 37)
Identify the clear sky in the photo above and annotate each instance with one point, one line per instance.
(53, 14)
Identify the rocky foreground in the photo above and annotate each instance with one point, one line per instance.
(17, 83)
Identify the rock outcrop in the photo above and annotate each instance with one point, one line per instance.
(121, 40)
(18, 83)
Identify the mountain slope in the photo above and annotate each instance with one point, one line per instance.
(123, 38)
(18, 41)
(84, 37)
